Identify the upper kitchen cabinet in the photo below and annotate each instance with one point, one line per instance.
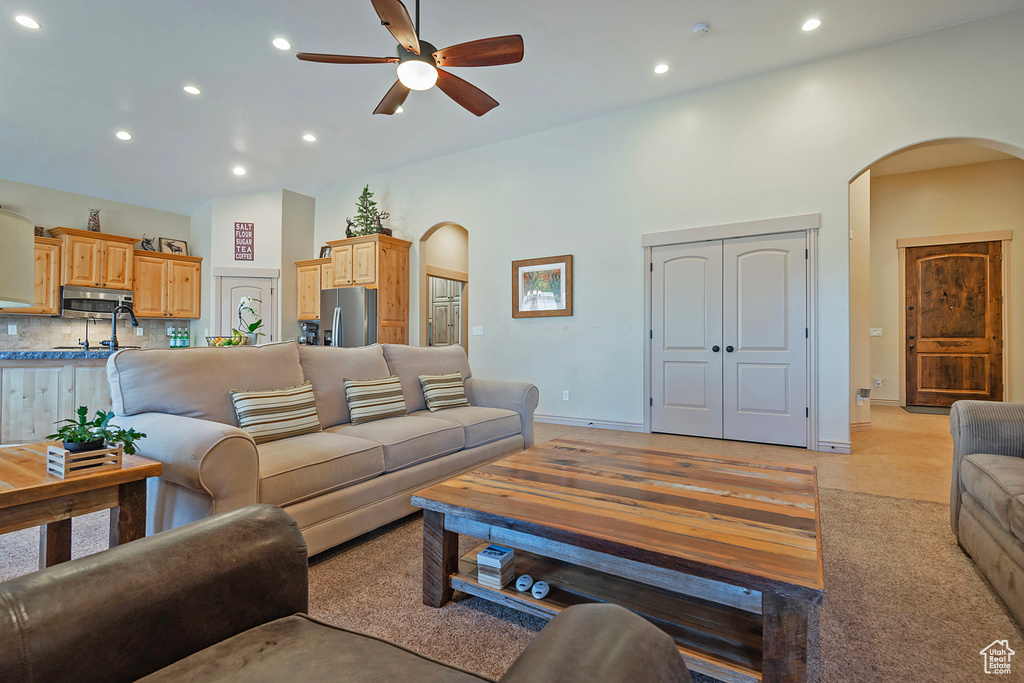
(166, 285)
(377, 262)
(93, 259)
(46, 279)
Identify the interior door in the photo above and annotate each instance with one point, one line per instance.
(765, 338)
(686, 339)
(232, 289)
(954, 323)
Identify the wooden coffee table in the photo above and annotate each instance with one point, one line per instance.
(30, 496)
(723, 554)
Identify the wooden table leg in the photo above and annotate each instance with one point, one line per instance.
(54, 543)
(785, 639)
(440, 559)
(128, 520)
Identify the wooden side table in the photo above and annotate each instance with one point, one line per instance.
(30, 496)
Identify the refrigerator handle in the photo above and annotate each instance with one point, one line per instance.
(339, 331)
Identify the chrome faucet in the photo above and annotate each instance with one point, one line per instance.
(85, 344)
(120, 308)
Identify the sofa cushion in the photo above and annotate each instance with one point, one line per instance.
(481, 425)
(443, 391)
(408, 440)
(299, 648)
(374, 399)
(198, 382)
(994, 481)
(272, 415)
(409, 362)
(328, 366)
(305, 466)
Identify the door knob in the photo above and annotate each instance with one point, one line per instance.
(715, 349)
(729, 349)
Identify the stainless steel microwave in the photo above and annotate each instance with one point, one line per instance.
(91, 302)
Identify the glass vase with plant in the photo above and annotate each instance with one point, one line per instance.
(83, 434)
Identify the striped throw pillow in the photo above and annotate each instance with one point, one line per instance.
(443, 391)
(374, 399)
(278, 414)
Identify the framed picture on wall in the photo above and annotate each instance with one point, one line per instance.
(169, 245)
(325, 252)
(542, 287)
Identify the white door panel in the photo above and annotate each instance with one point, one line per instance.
(686, 325)
(764, 323)
(232, 289)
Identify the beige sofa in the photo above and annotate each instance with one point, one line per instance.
(336, 484)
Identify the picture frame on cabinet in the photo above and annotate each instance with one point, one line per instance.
(542, 287)
(169, 245)
(325, 252)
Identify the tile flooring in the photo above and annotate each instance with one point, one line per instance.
(902, 455)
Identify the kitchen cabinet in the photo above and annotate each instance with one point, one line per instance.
(445, 311)
(46, 279)
(382, 263)
(308, 285)
(166, 285)
(36, 394)
(93, 259)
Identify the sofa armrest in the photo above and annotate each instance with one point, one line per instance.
(599, 642)
(982, 427)
(522, 397)
(125, 613)
(218, 459)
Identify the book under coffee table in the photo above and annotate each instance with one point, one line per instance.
(721, 553)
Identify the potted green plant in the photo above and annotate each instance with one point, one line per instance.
(251, 330)
(83, 434)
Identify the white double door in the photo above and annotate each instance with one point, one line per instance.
(729, 339)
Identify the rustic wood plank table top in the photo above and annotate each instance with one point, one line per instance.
(649, 515)
(30, 496)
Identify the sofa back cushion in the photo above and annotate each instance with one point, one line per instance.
(409, 362)
(197, 382)
(328, 366)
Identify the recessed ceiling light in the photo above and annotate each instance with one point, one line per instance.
(282, 44)
(400, 110)
(27, 22)
(192, 90)
(661, 68)
(811, 24)
(309, 137)
(239, 170)
(124, 135)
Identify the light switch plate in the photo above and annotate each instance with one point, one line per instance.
(12, 329)
(478, 330)
(875, 331)
(565, 395)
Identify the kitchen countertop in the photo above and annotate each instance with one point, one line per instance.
(55, 354)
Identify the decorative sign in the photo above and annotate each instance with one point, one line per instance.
(243, 241)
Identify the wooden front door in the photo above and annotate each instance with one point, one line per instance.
(954, 323)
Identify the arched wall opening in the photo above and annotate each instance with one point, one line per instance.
(444, 285)
(938, 192)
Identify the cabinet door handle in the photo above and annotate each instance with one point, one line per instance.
(715, 349)
(729, 349)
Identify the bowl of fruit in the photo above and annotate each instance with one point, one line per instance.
(236, 339)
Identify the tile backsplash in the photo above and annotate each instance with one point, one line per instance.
(41, 333)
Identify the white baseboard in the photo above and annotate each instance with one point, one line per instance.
(885, 402)
(585, 422)
(833, 446)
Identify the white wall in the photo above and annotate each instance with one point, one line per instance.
(860, 297)
(297, 212)
(945, 201)
(56, 208)
(785, 143)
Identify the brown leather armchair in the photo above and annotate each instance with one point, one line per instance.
(223, 599)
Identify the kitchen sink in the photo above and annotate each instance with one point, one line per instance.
(91, 348)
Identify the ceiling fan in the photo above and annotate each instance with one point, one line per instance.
(419, 62)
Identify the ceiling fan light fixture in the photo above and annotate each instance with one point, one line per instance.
(416, 74)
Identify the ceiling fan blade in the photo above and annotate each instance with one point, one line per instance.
(343, 59)
(485, 52)
(472, 98)
(393, 100)
(395, 17)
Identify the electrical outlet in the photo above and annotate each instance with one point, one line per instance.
(565, 395)
(12, 329)
(878, 381)
(138, 331)
(170, 331)
(875, 331)
(478, 330)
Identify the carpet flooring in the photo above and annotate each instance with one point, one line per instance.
(902, 602)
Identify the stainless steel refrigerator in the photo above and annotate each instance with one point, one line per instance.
(348, 317)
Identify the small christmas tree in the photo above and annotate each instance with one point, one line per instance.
(366, 214)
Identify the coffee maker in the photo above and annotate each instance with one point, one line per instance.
(309, 333)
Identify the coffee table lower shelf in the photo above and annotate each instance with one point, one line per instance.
(717, 640)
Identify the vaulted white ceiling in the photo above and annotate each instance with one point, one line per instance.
(99, 66)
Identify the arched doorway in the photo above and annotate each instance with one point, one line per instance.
(949, 192)
(444, 285)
